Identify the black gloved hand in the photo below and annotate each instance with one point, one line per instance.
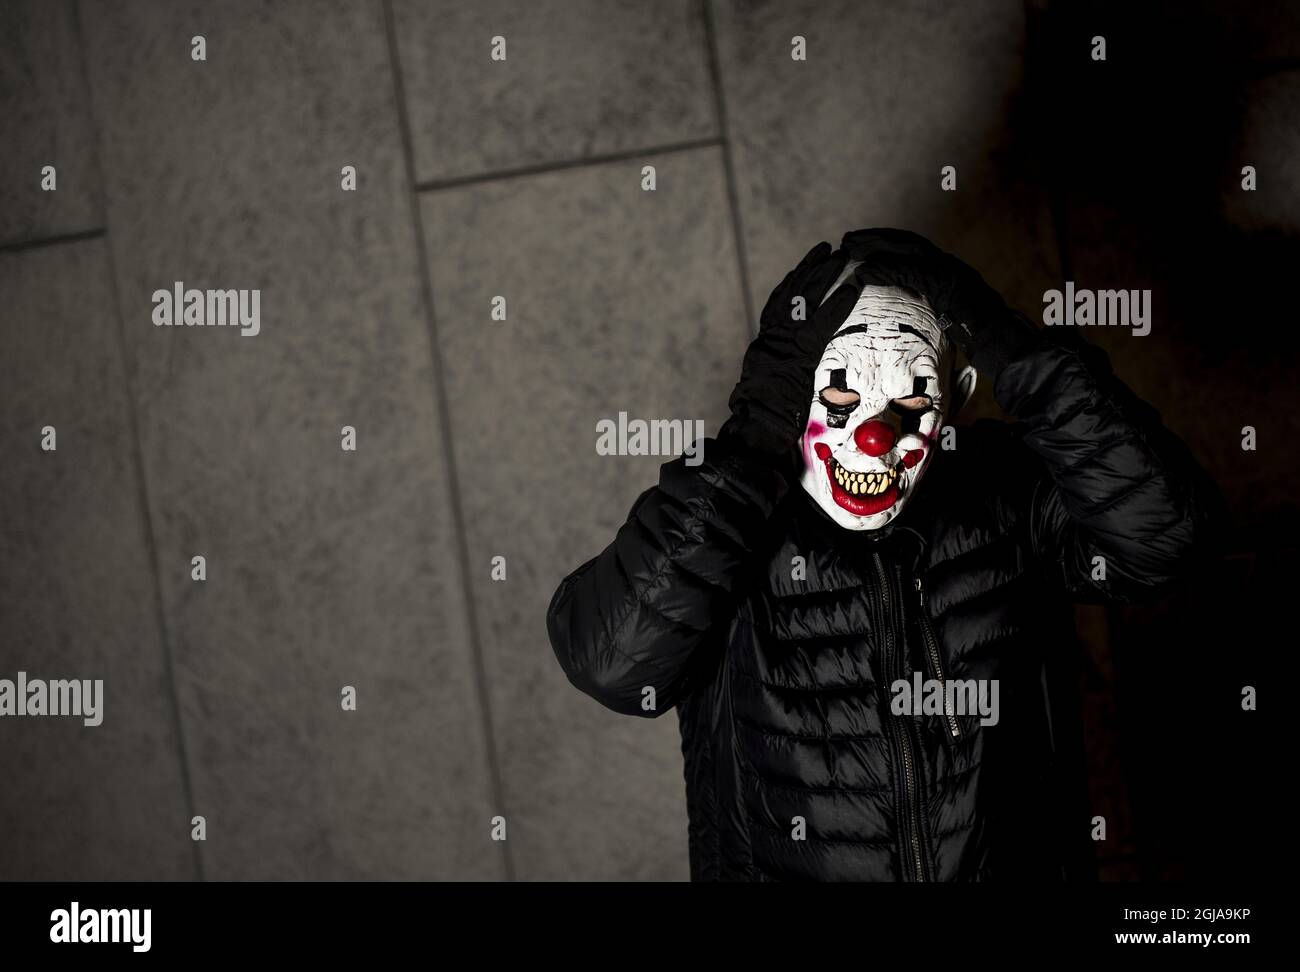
(971, 313)
(770, 403)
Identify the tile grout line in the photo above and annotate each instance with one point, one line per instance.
(560, 165)
(142, 493)
(729, 166)
(36, 243)
(444, 421)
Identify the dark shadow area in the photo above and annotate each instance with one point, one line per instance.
(1141, 155)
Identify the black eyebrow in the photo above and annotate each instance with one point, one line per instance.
(852, 329)
(902, 329)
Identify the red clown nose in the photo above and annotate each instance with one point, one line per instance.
(875, 438)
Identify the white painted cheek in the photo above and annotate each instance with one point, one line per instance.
(929, 426)
(813, 479)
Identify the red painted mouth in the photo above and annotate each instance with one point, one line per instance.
(862, 505)
(865, 502)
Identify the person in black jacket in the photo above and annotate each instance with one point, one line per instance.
(849, 602)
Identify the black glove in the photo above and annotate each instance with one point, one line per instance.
(770, 403)
(971, 313)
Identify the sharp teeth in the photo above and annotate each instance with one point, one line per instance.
(864, 483)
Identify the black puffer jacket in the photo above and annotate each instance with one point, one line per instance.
(795, 765)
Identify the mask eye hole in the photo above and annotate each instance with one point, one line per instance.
(910, 410)
(839, 399)
(913, 403)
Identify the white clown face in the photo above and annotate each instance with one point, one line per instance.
(880, 394)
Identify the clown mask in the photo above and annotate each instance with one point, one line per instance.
(881, 392)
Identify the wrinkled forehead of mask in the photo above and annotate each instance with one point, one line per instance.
(892, 327)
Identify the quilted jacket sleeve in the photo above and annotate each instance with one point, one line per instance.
(1124, 510)
(647, 612)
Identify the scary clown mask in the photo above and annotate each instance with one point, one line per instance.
(882, 390)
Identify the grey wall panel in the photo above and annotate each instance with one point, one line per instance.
(44, 120)
(617, 300)
(325, 567)
(580, 78)
(77, 598)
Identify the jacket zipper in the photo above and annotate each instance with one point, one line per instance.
(932, 651)
(905, 738)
